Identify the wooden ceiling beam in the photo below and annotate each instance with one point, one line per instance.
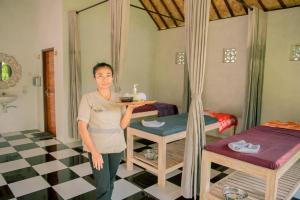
(168, 11)
(178, 9)
(262, 5)
(245, 6)
(229, 8)
(215, 8)
(141, 1)
(162, 19)
(142, 8)
(282, 4)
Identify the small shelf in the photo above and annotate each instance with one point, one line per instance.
(175, 153)
(288, 185)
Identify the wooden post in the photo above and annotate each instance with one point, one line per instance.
(205, 175)
(162, 151)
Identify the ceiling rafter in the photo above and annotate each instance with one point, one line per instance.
(262, 5)
(245, 6)
(229, 8)
(141, 1)
(216, 9)
(173, 10)
(178, 9)
(282, 4)
(169, 13)
(162, 19)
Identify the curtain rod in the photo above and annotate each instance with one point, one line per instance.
(79, 11)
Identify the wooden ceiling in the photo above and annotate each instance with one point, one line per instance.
(168, 14)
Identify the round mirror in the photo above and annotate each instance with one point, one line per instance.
(5, 71)
(10, 71)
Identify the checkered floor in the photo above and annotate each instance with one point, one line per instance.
(34, 165)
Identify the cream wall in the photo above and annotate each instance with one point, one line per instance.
(281, 92)
(95, 47)
(142, 48)
(168, 76)
(224, 87)
(224, 83)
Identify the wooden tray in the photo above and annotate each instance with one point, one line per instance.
(136, 102)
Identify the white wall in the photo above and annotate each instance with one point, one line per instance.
(281, 92)
(33, 25)
(50, 24)
(15, 38)
(24, 39)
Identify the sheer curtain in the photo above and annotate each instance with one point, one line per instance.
(257, 32)
(75, 73)
(196, 28)
(119, 12)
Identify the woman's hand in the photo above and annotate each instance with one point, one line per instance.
(135, 105)
(128, 114)
(97, 160)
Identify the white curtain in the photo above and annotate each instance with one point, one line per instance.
(257, 36)
(196, 28)
(119, 12)
(75, 74)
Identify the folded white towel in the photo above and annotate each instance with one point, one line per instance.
(244, 147)
(153, 124)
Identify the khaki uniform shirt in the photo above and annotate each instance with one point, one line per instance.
(103, 118)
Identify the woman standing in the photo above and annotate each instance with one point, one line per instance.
(101, 122)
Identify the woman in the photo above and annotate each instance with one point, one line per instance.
(101, 122)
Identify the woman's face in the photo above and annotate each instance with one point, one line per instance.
(103, 77)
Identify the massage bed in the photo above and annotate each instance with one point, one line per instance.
(169, 141)
(226, 121)
(272, 173)
(156, 109)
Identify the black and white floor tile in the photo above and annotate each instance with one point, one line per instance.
(34, 165)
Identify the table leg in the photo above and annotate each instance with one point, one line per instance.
(162, 151)
(271, 186)
(129, 150)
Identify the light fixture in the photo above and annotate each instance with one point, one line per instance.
(229, 55)
(180, 58)
(295, 52)
(36, 80)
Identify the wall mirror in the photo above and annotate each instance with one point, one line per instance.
(10, 71)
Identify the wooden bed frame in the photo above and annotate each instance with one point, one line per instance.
(170, 156)
(270, 178)
(144, 114)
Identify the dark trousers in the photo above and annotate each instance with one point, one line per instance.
(105, 177)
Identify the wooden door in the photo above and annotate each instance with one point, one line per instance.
(49, 91)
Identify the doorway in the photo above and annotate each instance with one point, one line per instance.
(49, 90)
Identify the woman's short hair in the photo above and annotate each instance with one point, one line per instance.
(101, 65)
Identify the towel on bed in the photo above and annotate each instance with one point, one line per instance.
(244, 147)
(225, 120)
(153, 124)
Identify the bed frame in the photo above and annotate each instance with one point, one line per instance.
(170, 152)
(260, 182)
